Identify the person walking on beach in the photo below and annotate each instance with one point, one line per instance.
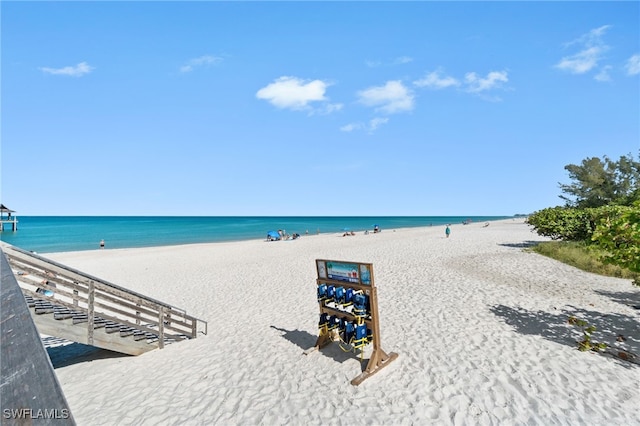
(447, 231)
(101, 244)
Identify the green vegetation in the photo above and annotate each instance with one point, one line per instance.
(587, 343)
(601, 218)
(598, 183)
(618, 232)
(562, 223)
(598, 229)
(583, 256)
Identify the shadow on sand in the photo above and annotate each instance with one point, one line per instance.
(629, 298)
(63, 353)
(307, 341)
(616, 330)
(524, 244)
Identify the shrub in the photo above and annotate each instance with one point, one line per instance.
(618, 233)
(563, 223)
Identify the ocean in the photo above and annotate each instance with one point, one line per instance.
(49, 234)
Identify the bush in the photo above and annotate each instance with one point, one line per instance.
(618, 232)
(563, 223)
(613, 232)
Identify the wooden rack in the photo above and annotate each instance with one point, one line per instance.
(357, 276)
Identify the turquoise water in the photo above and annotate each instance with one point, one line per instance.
(48, 234)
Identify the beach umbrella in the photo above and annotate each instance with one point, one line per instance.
(273, 234)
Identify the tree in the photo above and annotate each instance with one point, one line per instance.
(628, 176)
(599, 182)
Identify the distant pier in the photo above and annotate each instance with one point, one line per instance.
(13, 222)
(7, 220)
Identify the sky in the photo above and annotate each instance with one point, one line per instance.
(310, 108)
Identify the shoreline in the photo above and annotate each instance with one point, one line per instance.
(480, 326)
(255, 240)
(62, 234)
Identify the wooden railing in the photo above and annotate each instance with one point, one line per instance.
(29, 385)
(101, 301)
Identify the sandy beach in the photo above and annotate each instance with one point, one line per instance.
(479, 323)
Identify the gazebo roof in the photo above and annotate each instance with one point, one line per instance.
(4, 209)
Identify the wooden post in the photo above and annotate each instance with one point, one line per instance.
(379, 358)
(90, 313)
(161, 328)
(137, 314)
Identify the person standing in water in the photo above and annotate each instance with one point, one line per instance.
(101, 244)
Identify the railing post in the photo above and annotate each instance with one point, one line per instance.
(161, 328)
(90, 316)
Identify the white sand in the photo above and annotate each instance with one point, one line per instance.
(480, 326)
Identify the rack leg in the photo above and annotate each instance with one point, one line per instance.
(323, 340)
(379, 359)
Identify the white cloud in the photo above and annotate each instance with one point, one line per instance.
(391, 98)
(377, 122)
(472, 82)
(369, 127)
(351, 127)
(295, 93)
(592, 38)
(494, 79)
(78, 71)
(434, 80)
(633, 65)
(592, 48)
(200, 62)
(582, 61)
(325, 109)
(603, 75)
(400, 60)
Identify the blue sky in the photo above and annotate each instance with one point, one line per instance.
(304, 108)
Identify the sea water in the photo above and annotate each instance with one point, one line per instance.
(48, 234)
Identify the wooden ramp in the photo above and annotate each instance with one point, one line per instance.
(72, 305)
(29, 389)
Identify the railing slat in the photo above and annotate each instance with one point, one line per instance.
(90, 315)
(161, 329)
